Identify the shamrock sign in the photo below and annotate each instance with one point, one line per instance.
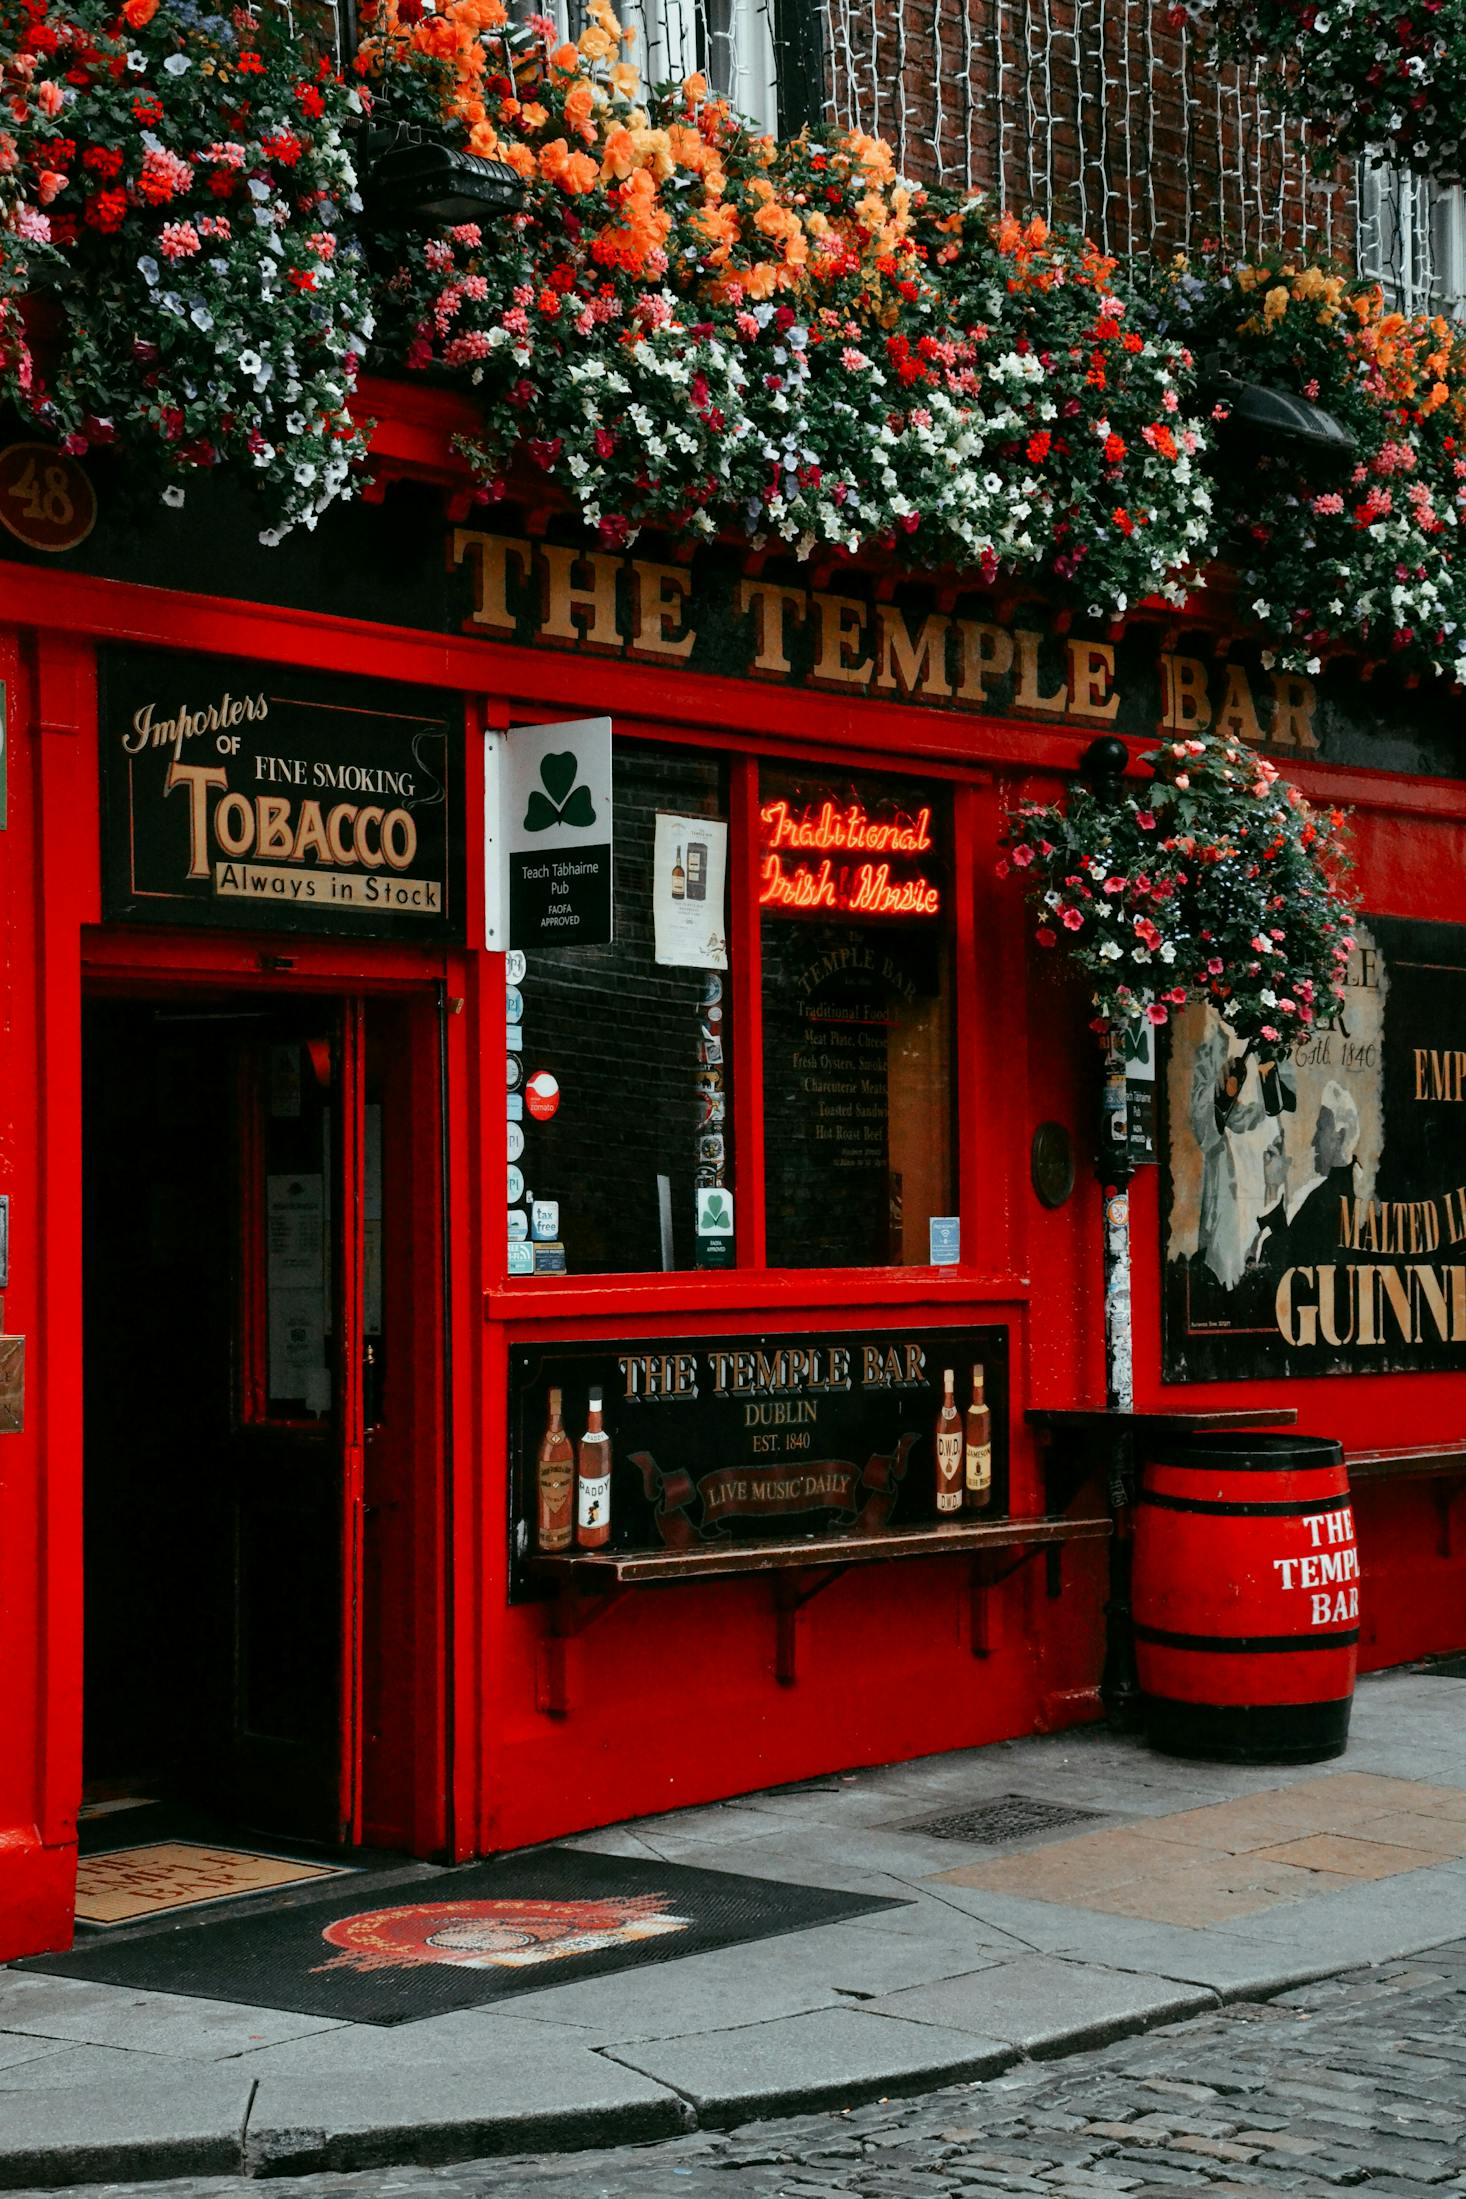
(717, 1213)
(563, 801)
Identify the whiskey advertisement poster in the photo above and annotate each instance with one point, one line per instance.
(260, 798)
(755, 1437)
(1314, 1214)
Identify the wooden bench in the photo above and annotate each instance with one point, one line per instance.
(1442, 1464)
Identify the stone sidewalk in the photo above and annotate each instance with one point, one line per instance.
(1188, 1886)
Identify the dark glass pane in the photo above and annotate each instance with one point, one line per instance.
(855, 879)
(639, 1048)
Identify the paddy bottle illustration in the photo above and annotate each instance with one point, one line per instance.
(554, 1482)
(978, 1466)
(679, 877)
(593, 1482)
(949, 1447)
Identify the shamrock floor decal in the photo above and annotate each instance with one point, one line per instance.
(563, 801)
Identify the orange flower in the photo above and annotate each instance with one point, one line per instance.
(139, 13)
(579, 101)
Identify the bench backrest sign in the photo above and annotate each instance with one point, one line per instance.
(548, 835)
(259, 798)
(727, 1438)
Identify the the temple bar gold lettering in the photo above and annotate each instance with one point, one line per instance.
(640, 608)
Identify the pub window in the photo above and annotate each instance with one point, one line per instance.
(854, 880)
(619, 1100)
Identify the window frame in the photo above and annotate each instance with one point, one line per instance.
(984, 1220)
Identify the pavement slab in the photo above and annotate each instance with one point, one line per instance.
(1042, 2003)
(159, 2125)
(833, 2058)
(554, 2097)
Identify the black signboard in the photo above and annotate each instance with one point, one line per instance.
(263, 799)
(1315, 1214)
(720, 1439)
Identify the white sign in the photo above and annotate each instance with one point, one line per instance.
(690, 865)
(547, 835)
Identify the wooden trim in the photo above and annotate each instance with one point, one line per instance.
(612, 1568)
(1414, 1459)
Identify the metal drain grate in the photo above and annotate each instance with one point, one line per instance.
(1006, 1817)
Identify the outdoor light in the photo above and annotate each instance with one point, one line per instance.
(1265, 422)
(419, 183)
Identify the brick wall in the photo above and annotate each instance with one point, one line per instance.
(1099, 113)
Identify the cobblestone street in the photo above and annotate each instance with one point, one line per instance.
(1356, 2082)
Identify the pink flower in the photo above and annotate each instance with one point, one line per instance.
(1022, 857)
(1177, 994)
(1269, 1030)
(1157, 1013)
(1114, 885)
(1182, 780)
(1215, 967)
(1001, 868)
(179, 240)
(50, 98)
(1145, 818)
(1071, 919)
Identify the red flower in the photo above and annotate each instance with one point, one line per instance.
(281, 145)
(1038, 446)
(106, 210)
(1114, 449)
(103, 160)
(302, 278)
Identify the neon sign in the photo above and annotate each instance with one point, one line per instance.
(830, 831)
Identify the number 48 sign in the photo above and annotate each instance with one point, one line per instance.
(46, 501)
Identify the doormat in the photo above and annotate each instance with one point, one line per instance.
(126, 1884)
(477, 1933)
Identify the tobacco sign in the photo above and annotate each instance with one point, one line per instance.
(264, 799)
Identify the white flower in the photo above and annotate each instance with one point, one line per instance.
(177, 64)
(173, 498)
(250, 362)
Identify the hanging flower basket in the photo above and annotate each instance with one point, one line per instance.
(1211, 880)
(177, 186)
(1370, 78)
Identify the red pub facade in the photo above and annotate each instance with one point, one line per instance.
(813, 1129)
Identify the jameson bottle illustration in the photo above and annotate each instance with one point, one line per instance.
(679, 876)
(593, 1482)
(949, 1448)
(555, 1482)
(979, 1450)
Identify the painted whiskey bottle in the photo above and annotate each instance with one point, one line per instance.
(949, 1448)
(555, 1482)
(593, 1482)
(979, 1447)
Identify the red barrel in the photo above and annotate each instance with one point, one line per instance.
(1245, 1594)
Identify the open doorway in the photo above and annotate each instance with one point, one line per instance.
(261, 1313)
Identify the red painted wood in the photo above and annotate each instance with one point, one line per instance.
(1228, 1582)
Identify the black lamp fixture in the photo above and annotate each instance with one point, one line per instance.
(1262, 421)
(416, 182)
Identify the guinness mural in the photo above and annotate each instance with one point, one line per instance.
(1315, 1211)
(255, 797)
(684, 1441)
